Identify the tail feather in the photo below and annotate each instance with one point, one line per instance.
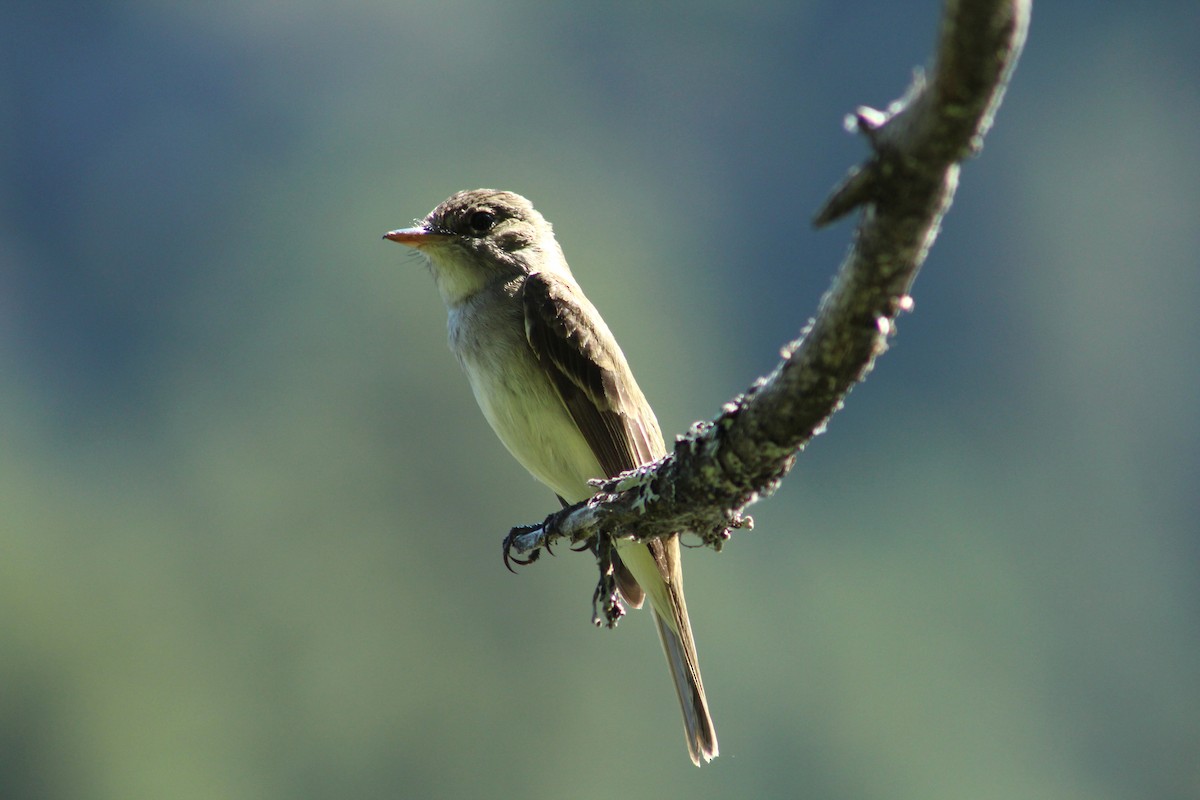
(656, 573)
(685, 673)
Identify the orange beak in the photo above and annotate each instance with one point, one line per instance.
(415, 237)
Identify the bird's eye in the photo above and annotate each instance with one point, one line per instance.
(482, 221)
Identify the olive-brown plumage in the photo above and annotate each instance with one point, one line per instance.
(555, 387)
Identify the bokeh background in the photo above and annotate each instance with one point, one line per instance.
(250, 518)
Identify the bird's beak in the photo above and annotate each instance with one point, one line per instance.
(415, 237)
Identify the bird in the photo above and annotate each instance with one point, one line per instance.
(556, 388)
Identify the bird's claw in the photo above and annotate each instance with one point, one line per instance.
(510, 539)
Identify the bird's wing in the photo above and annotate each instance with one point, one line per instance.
(585, 365)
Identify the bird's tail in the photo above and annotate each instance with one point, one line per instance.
(653, 572)
(685, 673)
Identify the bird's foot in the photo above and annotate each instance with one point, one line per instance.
(511, 540)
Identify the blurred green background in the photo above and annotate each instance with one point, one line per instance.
(250, 540)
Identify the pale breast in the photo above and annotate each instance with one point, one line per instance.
(518, 399)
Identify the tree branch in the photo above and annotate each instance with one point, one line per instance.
(904, 189)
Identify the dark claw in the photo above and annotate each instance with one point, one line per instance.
(510, 559)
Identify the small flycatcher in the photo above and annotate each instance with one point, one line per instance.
(555, 387)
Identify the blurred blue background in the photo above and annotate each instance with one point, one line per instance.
(250, 540)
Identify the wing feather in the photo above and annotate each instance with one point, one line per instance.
(589, 371)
